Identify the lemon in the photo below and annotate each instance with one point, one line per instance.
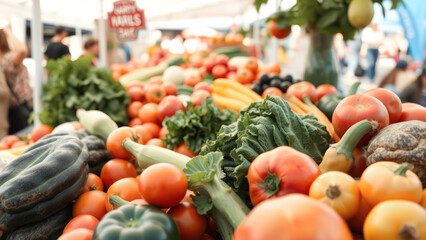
(360, 13)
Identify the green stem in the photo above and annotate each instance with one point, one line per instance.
(307, 100)
(225, 229)
(117, 201)
(350, 139)
(402, 169)
(354, 88)
(148, 155)
(271, 184)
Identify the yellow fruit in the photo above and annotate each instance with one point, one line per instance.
(360, 13)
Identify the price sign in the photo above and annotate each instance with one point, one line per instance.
(126, 18)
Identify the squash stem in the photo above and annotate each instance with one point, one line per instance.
(354, 88)
(402, 169)
(333, 191)
(117, 201)
(271, 184)
(408, 232)
(350, 139)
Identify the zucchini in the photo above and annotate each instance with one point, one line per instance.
(184, 90)
(96, 122)
(98, 152)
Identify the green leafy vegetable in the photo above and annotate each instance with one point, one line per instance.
(76, 84)
(196, 125)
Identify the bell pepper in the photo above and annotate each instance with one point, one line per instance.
(131, 221)
(328, 103)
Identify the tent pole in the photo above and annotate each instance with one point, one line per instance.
(36, 43)
(102, 38)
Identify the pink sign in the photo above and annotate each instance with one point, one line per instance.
(126, 18)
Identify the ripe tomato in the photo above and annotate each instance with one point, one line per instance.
(280, 171)
(219, 71)
(80, 234)
(170, 88)
(9, 140)
(143, 132)
(191, 225)
(211, 227)
(251, 64)
(245, 76)
(156, 142)
(338, 190)
(156, 80)
(221, 59)
(277, 32)
(163, 185)
(135, 83)
(169, 106)
(116, 169)
(325, 89)
(192, 80)
(355, 108)
(94, 182)
(135, 122)
(140, 202)
(163, 132)
(18, 144)
(40, 131)
(133, 109)
(203, 86)
(360, 163)
(137, 93)
(126, 188)
(294, 216)
(183, 149)
(115, 140)
(153, 128)
(149, 113)
(198, 97)
(232, 68)
(155, 94)
(274, 68)
(396, 219)
(272, 91)
(357, 221)
(303, 88)
(390, 100)
(91, 203)
(412, 111)
(385, 180)
(209, 64)
(82, 221)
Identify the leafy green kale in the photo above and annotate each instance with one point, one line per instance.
(76, 84)
(196, 125)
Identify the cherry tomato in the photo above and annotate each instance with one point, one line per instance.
(149, 113)
(252, 64)
(133, 109)
(80, 234)
(82, 221)
(40, 131)
(116, 169)
(156, 142)
(191, 225)
(278, 32)
(203, 86)
(163, 132)
(412, 111)
(303, 88)
(91, 203)
(360, 163)
(325, 89)
(219, 71)
(163, 185)
(155, 94)
(198, 97)
(126, 188)
(169, 106)
(183, 149)
(143, 132)
(272, 91)
(135, 122)
(355, 108)
(137, 93)
(153, 128)
(170, 88)
(94, 182)
(244, 76)
(115, 140)
(390, 100)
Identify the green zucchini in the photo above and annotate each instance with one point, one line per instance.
(98, 152)
(184, 90)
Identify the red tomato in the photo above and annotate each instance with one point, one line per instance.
(163, 132)
(390, 100)
(198, 97)
(40, 131)
(170, 88)
(233, 69)
(211, 227)
(149, 113)
(221, 59)
(192, 80)
(251, 64)
(153, 128)
(202, 71)
(325, 89)
(303, 88)
(115, 140)
(219, 71)
(9, 140)
(169, 106)
(80, 234)
(140, 202)
(244, 76)
(137, 93)
(18, 144)
(156, 142)
(94, 182)
(355, 108)
(82, 221)
(91, 203)
(135, 122)
(280, 171)
(360, 163)
(191, 225)
(143, 132)
(278, 32)
(133, 109)
(126, 188)
(116, 169)
(203, 86)
(163, 185)
(183, 149)
(412, 111)
(155, 94)
(272, 91)
(209, 63)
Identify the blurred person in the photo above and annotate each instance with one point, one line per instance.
(401, 44)
(414, 92)
(56, 49)
(398, 78)
(340, 47)
(16, 78)
(91, 46)
(354, 50)
(373, 38)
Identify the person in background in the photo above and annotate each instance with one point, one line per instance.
(17, 81)
(414, 92)
(373, 38)
(91, 46)
(56, 49)
(354, 49)
(398, 78)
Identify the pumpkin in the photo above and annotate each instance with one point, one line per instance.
(401, 142)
